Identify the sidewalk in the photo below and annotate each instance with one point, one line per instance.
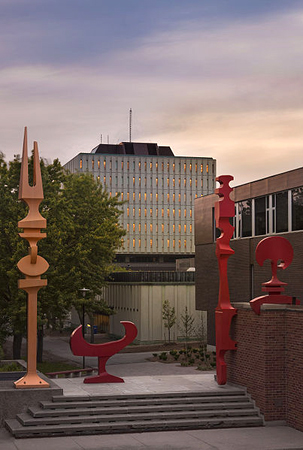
(142, 376)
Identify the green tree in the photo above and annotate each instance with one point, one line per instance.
(169, 316)
(187, 327)
(82, 236)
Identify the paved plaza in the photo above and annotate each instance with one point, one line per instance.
(143, 376)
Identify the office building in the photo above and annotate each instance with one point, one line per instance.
(159, 190)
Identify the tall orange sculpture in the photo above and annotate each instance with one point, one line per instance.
(32, 266)
(224, 210)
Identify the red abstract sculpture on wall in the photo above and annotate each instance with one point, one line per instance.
(224, 210)
(80, 347)
(280, 252)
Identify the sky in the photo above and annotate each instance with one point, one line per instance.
(217, 78)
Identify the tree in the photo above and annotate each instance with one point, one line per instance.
(82, 236)
(187, 327)
(169, 316)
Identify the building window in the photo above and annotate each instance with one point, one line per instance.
(122, 196)
(179, 228)
(162, 212)
(174, 182)
(162, 165)
(297, 208)
(139, 194)
(134, 212)
(139, 227)
(145, 165)
(260, 216)
(98, 177)
(151, 243)
(127, 212)
(190, 228)
(167, 212)
(151, 227)
(201, 168)
(184, 212)
(179, 243)
(139, 212)
(81, 163)
(174, 197)
(127, 196)
(134, 180)
(139, 165)
(139, 243)
(139, 181)
(145, 212)
(156, 165)
(104, 180)
(151, 196)
(185, 228)
(190, 213)
(245, 218)
(93, 164)
(168, 197)
(134, 243)
(127, 227)
(173, 167)
(162, 227)
(168, 243)
(174, 212)
(179, 197)
(127, 243)
(151, 212)
(157, 196)
(184, 243)
(145, 196)
(184, 167)
(206, 168)
(145, 227)
(190, 182)
(156, 181)
(127, 165)
(134, 227)
(156, 212)
(174, 228)
(179, 182)
(156, 227)
(174, 243)
(184, 182)
(134, 196)
(167, 182)
(151, 165)
(179, 212)
(104, 164)
(184, 198)
(122, 165)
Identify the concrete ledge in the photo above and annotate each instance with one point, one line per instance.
(15, 401)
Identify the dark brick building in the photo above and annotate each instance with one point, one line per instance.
(269, 206)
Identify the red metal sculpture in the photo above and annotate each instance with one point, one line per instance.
(280, 252)
(224, 210)
(80, 347)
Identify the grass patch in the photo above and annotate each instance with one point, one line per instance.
(12, 367)
(46, 367)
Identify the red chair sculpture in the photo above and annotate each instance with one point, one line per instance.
(280, 252)
(80, 347)
(224, 210)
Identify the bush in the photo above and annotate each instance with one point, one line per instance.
(191, 361)
(173, 352)
(155, 354)
(163, 356)
(176, 357)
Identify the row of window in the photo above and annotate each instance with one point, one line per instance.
(169, 242)
(143, 196)
(274, 213)
(197, 167)
(157, 211)
(157, 227)
(186, 182)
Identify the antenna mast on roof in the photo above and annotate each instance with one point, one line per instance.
(130, 125)
(101, 138)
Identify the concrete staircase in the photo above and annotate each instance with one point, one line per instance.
(83, 415)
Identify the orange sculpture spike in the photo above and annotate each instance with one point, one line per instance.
(80, 347)
(224, 209)
(32, 266)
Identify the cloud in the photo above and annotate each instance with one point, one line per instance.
(229, 88)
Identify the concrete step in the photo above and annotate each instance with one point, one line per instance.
(209, 393)
(19, 431)
(27, 420)
(38, 412)
(92, 402)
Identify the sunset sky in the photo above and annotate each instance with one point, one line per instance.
(220, 78)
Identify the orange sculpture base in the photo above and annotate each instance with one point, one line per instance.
(31, 380)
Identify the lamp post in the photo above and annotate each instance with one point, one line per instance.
(84, 291)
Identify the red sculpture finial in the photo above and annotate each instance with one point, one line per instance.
(275, 248)
(80, 347)
(224, 210)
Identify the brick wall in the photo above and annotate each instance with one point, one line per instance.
(269, 360)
